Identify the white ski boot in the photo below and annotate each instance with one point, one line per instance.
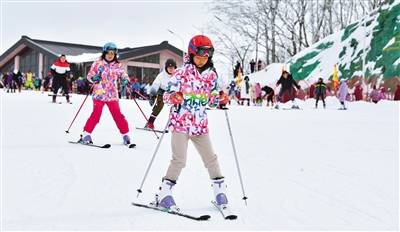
(164, 198)
(220, 200)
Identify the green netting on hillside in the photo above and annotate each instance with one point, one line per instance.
(299, 71)
(348, 30)
(347, 73)
(343, 52)
(353, 44)
(387, 29)
(324, 46)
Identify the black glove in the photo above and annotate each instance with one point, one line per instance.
(152, 100)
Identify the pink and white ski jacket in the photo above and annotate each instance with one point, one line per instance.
(199, 91)
(106, 89)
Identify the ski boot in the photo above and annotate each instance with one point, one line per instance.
(277, 106)
(126, 139)
(164, 198)
(85, 138)
(219, 187)
(220, 200)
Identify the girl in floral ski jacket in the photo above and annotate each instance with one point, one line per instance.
(104, 74)
(192, 88)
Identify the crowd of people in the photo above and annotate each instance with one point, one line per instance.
(15, 81)
(239, 89)
(244, 92)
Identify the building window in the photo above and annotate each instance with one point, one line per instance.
(146, 75)
(155, 59)
(29, 60)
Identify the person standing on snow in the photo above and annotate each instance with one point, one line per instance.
(60, 70)
(104, 74)
(397, 94)
(375, 95)
(358, 92)
(257, 89)
(158, 89)
(245, 91)
(191, 88)
(17, 79)
(252, 66)
(320, 91)
(287, 82)
(343, 91)
(29, 80)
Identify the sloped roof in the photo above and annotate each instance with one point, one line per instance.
(54, 49)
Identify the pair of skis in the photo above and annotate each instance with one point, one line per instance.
(148, 129)
(225, 212)
(107, 145)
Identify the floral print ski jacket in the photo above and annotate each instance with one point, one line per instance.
(199, 91)
(106, 89)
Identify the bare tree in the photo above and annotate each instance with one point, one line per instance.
(277, 28)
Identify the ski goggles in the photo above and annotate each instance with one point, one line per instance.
(203, 50)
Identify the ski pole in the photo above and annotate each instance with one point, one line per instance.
(147, 120)
(139, 190)
(236, 158)
(73, 120)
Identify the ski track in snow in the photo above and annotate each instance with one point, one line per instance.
(302, 169)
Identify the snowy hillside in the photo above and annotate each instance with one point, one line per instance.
(379, 33)
(303, 170)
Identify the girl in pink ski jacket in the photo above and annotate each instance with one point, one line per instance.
(191, 90)
(104, 75)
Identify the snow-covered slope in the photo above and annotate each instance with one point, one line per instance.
(378, 33)
(302, 170)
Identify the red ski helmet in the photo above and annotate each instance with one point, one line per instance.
(201, 45)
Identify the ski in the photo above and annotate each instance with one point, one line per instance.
(92, 145)
(131, 145)
(57, 95)
(147, 129)
(224, 210)
(197, 218)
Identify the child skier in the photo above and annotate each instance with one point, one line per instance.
(104, 74)
(190, 90)
(287, 82)
(343, 90)
(158, 89)
(320, 91)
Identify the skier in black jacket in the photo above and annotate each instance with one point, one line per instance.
(320, 89)
(287, 82)
(60, 71)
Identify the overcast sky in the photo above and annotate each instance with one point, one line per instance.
(128, 23)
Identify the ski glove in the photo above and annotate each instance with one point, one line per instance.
(176, 98)
(223, 99)
(152, 100)
(96, 79)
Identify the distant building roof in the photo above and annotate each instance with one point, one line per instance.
(54, 49)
